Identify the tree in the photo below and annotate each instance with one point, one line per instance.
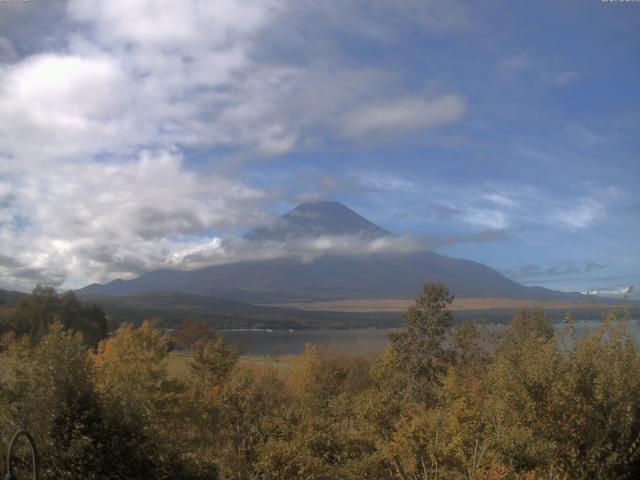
(50, 392)
(190, 334)
(245, 402)
(130, 367)
(33, 315)
(466, 340)
(569, 409)
(326, 380)
(420, 349)
(87, 319)
(317, 435)
(211, 364)
(131, 377)
(526, 325)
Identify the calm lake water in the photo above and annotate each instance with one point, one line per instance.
(360, 340)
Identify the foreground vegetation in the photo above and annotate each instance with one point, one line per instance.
(435, 405)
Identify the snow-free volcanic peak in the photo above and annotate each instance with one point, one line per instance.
(317, 218)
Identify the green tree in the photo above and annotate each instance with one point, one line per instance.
(33, 315)
(420, 348)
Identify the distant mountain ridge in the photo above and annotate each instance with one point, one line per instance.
(8, 297)
(331, 276)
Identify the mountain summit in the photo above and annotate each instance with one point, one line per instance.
(317, 218)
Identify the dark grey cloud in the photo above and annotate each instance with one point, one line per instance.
(590, 266)
(8, 54)
(559, 269)
(41, 275)
(155, 223)
(6, 261)
(29, 26)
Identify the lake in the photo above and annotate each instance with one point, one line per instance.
(360, 340)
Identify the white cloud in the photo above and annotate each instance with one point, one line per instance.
(577, 217)
(500, 199)
(587, 210)
(610, 292)
(485, 218)
(509, 206)
(99, 220)
(218, 252)
(581, 135)
(53, 104)
(516, 63)
(94, 126)
(526, 206)
(388, 182)
(566, 77)
(173, 25)
(403, 115)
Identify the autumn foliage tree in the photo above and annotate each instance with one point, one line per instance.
(132, 380)
(191, 333)
(50, 391)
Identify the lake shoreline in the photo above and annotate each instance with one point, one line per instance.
(256, 341)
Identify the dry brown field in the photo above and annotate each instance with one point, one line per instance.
(400, 304)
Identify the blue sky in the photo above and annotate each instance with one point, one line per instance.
(135, 132)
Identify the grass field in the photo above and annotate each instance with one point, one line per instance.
(178, 363)
(364, 305)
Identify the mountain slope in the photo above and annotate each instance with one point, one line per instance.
(331, 276)
(9, 297)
